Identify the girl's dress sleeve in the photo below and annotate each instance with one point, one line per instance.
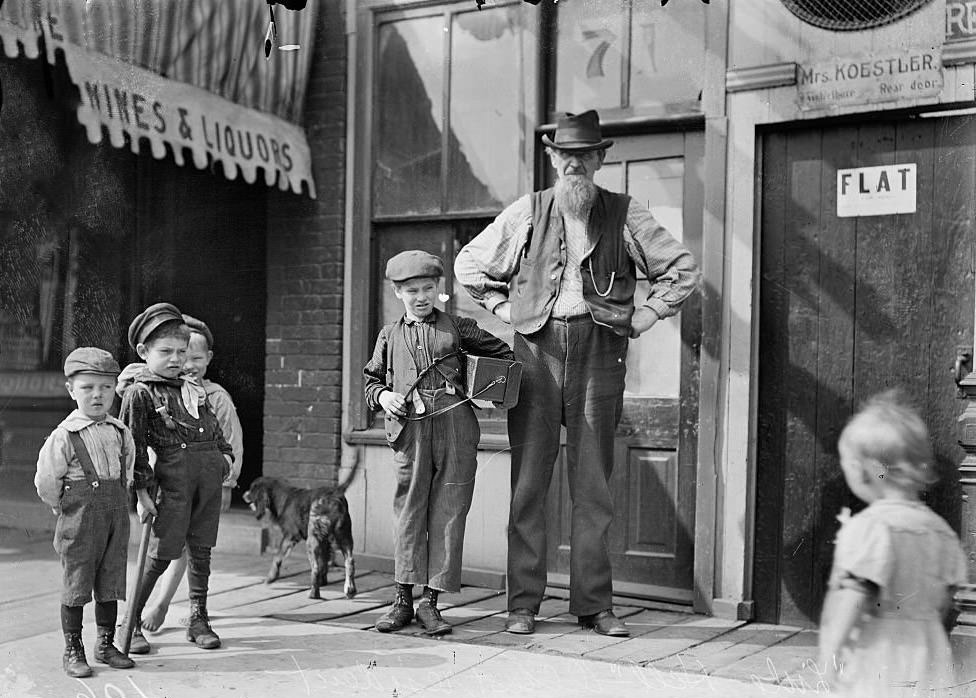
(864, 551)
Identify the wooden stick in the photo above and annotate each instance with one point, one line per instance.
(130, 609)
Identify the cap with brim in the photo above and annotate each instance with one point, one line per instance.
(200, 327)
(412, 264)
(149, 319)
(578, 133)
(90, 360)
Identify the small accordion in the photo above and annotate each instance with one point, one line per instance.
(495, 380)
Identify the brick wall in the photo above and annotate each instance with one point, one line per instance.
(303, 379)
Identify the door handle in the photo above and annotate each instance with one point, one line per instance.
(963, 365)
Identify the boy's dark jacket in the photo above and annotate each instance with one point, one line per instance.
(399, 371)
(142, 392)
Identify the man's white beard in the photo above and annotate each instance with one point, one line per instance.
(575, 195)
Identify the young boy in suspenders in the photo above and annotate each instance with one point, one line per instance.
(83, 472)
(416, 376)
(170, 413)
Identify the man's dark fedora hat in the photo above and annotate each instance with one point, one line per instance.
(578, 132)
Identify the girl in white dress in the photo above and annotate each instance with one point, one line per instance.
(889, 605)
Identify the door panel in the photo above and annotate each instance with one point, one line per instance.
(653, 483)
(850, 307)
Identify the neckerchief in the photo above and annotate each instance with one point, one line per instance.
(192, 393)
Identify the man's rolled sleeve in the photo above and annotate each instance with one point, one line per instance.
(486, 264)
(670, 268)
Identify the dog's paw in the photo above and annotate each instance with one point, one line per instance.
(350, 591)
(270, 579)
(314, 593)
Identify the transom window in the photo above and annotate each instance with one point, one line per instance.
(636, 56)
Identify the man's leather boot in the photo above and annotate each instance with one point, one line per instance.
(400, 613)
(107, 653)
(74, 662)
(199, 631)
(429, 616)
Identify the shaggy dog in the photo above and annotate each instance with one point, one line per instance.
(318, 516)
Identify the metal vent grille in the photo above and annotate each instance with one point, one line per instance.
(850, 15)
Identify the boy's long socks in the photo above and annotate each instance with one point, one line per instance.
(71, 618)
(106, 613)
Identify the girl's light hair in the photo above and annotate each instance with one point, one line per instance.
(888, 430)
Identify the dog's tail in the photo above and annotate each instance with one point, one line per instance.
(350, 464)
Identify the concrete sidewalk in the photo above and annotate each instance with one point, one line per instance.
(277, 642)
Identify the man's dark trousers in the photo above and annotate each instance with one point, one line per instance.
(573, 375)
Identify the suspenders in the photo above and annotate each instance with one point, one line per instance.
(84, 457)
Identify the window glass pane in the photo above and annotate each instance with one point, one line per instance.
(588, 55)
(486, 108)
(654, 358)
(667, 54)
(409, 114)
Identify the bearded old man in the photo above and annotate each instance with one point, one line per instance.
(561, 266)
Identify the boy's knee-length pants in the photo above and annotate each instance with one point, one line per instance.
(436, 460)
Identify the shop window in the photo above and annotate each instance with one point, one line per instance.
(65, 275)
(448, 112)
(630, 56)
(451, 147)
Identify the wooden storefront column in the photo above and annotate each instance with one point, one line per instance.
(966, 597)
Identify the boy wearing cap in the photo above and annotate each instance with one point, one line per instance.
(169, 413)
(416, 369)
(83, 472)
(198, 357)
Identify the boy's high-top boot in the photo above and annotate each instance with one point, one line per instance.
(107, 653)
(74, 662)
(429, 616)
(400, 613)
(199, 631)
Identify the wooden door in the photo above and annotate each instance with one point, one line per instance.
(849, 307)
(653, 483)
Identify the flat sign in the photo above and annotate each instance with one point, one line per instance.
(881, 77)
(876, 191)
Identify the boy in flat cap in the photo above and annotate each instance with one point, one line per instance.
(416, 376)
(83, 472)
(169, 412)
(198, 357)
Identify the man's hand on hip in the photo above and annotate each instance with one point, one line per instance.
(643, 320)
(504, 312)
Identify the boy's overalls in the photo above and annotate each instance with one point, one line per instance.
(92, 533)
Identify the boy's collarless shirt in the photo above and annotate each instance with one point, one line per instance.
(109, 442)
(419, 336)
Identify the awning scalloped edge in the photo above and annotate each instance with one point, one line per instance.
(121, 99)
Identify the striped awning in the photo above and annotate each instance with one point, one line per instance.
(188, 73)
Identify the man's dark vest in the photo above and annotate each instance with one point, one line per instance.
(398, 354)
(609, 275)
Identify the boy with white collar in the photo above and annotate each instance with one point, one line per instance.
(83, 473)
